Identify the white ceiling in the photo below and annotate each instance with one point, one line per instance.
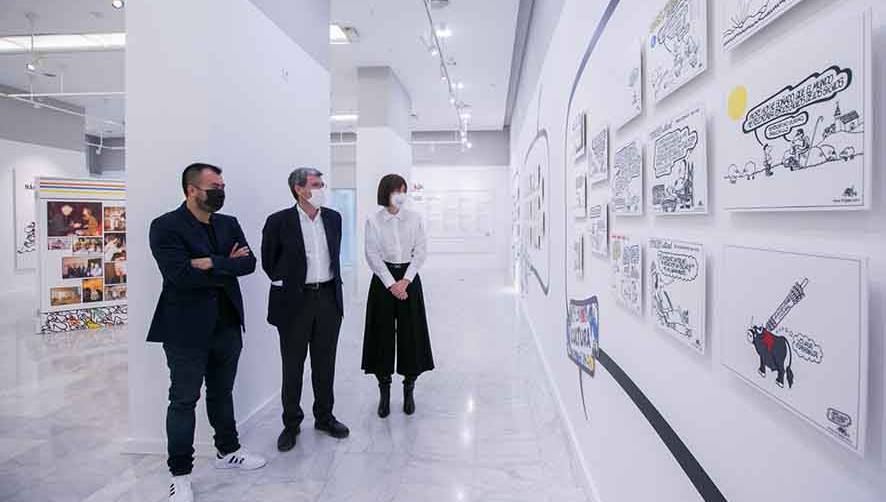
(82, 72)
(482, 45)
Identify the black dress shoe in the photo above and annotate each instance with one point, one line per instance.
(286, 440)
(334, 428)
(408, 398)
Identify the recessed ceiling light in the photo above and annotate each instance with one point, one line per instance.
(344, 117)
(63, 43)
(31, 67)
(442, 31)
(460, 85)
(117, 4)
(342, 35)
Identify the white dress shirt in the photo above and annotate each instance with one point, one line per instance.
(316, 248)
(395, 238)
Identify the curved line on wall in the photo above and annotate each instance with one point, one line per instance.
(544, 283)
(684, 457)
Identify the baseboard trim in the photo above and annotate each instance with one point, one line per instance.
(590, 486)
(145, 446)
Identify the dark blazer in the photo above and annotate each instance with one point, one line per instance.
(283, 258)
(187, 310)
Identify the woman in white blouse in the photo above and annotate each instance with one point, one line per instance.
(396, 248)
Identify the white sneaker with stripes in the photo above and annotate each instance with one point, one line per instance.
(180, 489)
(240, 459)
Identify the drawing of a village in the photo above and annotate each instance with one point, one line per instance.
(811, 126)
(833, 139)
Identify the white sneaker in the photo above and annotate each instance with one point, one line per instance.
(240, 459)
(180, 489)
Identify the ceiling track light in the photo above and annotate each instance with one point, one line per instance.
(118, 4)
(438, 32)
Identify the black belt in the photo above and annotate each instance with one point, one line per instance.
(316, 286)
(397, 266)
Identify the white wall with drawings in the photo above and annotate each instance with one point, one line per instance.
(466, 212)
(735, 431)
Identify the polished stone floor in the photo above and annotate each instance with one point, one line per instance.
(486, 428)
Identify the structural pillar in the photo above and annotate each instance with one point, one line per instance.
(383, 147)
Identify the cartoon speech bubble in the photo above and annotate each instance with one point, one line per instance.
(631, 255)
(816, 88)
(807, 348)
(627, 165)
(671, 148)
(782, 127)
(677, 25)
(678, 266)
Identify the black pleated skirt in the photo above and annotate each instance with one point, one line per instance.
(396, 327)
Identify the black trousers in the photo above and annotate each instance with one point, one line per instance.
(188, 368)
(396, 327)
(313, 329)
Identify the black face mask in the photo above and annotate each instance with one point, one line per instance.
(215, 199)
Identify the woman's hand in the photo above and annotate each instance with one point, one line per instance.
(398, 289)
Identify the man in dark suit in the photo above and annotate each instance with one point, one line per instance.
(300, 253)
(199, 318)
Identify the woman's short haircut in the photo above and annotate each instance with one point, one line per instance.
(388, 184)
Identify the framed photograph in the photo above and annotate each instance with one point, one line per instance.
(115, 272)
(75, 218)
(93, 290)
(115, 293)
(115, 219)
(76, 267)
(115, 247)
(59, 297)
(87, 246)
(58, 244)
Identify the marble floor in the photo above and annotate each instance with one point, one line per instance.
(486, 429)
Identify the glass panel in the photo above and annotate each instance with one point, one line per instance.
(344, 201)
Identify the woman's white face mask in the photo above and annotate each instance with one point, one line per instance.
(398, 200)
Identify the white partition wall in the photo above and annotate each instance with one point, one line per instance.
(237, 92)
(658, 417)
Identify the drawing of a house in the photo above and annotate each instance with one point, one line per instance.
(844, 122)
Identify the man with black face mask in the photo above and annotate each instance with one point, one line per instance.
(199, 320)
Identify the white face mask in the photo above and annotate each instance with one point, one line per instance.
(398, 200)
(318, 197)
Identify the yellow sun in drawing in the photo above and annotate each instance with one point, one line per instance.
(738, 102)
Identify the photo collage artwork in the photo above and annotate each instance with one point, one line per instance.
(90, 239)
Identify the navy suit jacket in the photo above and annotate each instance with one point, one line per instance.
(284, 259)
(187, 310)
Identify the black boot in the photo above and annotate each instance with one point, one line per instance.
(384, 396)
(408, 398)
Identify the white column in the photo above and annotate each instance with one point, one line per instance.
(383, 147)
(219, 82)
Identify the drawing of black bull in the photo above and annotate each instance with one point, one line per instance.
(773, 350)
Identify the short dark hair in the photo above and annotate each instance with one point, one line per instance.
(299, 177)
(191, 174)
(386, 187)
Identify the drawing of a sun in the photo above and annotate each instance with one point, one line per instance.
(738, 102)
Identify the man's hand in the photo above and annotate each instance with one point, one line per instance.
(202, 263)
(239, 252)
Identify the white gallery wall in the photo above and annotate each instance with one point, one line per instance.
(27, 159)
(750, 447)
(463, 247)
(237, 92)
